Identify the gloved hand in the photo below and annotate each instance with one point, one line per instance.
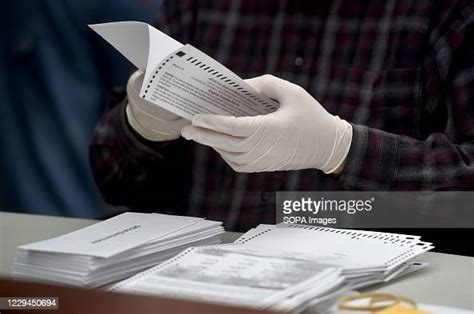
(149, 120)
(301, 134)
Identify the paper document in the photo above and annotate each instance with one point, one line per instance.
(283, 267)
(181, 78)
(114, 235)
(225, 274)
(351, 249)
(112, 249)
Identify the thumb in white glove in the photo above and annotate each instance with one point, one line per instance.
(146, 118)
(301, 134)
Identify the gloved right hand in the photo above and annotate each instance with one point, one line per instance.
(149, 120)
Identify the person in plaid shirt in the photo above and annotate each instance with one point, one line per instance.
(401, 73)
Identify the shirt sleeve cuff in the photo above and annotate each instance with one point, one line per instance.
(371, 161)
(114, 131)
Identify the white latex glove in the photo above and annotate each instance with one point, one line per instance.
(149, 120)
(301, 134)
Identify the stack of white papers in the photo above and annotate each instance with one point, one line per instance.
(113, 249)
(283, 267)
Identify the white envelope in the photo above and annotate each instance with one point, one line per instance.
(113, 236)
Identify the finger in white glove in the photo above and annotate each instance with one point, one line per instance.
(301, 134)
(147, 119)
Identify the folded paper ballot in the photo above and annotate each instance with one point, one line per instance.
(283, 267)
(181, 78)
(113, 249)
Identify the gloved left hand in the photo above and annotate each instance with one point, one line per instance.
(301, 134)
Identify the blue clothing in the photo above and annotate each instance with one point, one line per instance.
(54, 76)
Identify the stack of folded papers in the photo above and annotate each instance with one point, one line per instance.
(113, 249)
(283, 267)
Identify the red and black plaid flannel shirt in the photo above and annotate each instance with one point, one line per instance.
(401, 71)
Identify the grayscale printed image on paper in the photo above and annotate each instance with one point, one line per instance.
(228, 276)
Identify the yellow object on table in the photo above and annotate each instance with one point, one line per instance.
(401, 309)
(380, 303)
